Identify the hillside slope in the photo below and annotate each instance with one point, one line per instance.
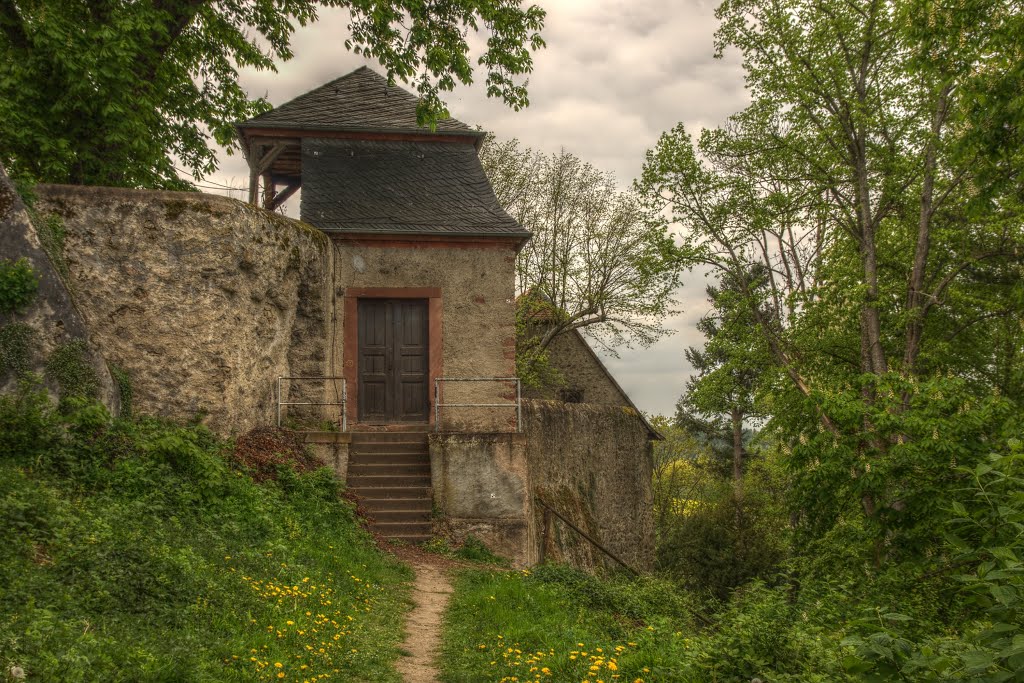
(140, 551)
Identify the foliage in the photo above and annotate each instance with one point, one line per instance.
(842, 208)
(70, 367)
(18, 285)
(17, 348)
(136, 551)
(52, 233)
(109, 92)
(597, 260)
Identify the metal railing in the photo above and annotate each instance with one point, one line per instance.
(343, 402)
(518, 405)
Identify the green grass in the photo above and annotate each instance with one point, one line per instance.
(139, 552)
(559, 624)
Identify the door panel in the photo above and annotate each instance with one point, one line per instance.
(393, 360)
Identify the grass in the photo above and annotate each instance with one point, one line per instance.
(139, 551)
(560, 624)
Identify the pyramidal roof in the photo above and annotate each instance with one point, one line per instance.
(358, 101)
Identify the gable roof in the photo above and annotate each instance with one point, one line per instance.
(400, 186)
(358, 101)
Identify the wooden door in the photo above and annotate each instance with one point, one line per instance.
(393, 360)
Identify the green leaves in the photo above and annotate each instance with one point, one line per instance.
(126, 94)
(18, 285)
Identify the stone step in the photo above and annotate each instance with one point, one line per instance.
(418, 493)
(423, 504)
(358, 469)
(386, 437)
(393, 458)
(373, 481)
(392, 529)
(412, 539)
(389, 447)
(407, 516)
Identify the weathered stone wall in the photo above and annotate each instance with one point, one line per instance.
(52, 317)
(581, 372)
(477, 320)
(203, 300)
(593, 464)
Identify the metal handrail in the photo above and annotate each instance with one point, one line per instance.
(548, 510)
(343, 402)
(518, 405)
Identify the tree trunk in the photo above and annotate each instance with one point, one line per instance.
(737, 452)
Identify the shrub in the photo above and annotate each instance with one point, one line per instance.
(17, 348)
(719, 546)
(18, 285)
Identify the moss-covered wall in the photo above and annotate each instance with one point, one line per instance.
(593, 464)
(202, 301)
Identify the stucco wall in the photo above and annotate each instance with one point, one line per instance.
(481, 487)
(202, 299)
(477, 315)
(593, 464)
(580, 371)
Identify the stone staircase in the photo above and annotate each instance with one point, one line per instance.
(390, 472)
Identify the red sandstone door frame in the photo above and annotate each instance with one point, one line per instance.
(351, 338)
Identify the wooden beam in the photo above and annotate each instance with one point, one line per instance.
(282, 196)
(268, 159)
(268, 191)
(253, 174)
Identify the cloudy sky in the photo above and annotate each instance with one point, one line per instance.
(614, 75)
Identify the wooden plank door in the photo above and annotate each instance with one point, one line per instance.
(393, 360)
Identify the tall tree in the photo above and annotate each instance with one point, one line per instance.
(864, 182)
(726, 370)
(597, 261)
(106, 91)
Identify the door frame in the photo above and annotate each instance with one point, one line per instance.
(350, 347)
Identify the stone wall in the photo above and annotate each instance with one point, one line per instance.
(582, 374)
(476, 283)
(593, 464)
(52, 318)
(203, 300)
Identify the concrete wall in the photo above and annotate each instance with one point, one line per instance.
(482, 487)
(202, 299)
(580, 371)
(476, 283)
(593, 464)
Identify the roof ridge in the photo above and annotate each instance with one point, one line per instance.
(361, 99)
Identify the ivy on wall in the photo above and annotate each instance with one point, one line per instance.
(17, 349)
(70, 368)
(124, 388)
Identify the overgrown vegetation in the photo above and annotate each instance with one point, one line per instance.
(70, 368)
(18, 285)
(143, 551)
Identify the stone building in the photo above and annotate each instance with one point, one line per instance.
(382, 324)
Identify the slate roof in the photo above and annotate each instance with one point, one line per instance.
(358, 101)
(400, 187)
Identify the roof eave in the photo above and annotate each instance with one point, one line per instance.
(315, 128)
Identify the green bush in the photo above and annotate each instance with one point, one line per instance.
(17, 348)
(18, 285)
(720, 545)
(70, 368)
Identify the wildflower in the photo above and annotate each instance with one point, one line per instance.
(278, 664)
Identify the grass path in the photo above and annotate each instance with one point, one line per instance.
(430, 594)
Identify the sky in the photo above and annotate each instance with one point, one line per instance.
(615, 74)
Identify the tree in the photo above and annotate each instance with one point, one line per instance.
(597, 259)
(726, 371)
(864, 182)
(108, 91)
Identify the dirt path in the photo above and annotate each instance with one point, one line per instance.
(430, 594)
